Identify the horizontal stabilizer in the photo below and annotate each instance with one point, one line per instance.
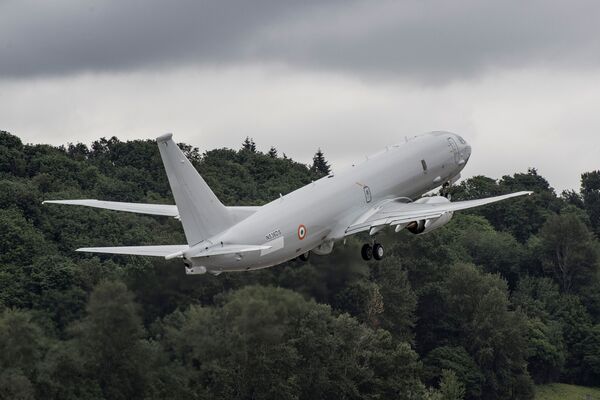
(238, 213)
(173, 251)
(155, 251)
(153, 209)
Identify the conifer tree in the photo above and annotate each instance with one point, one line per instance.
(320, 165)
(272, 152)
(249, 145)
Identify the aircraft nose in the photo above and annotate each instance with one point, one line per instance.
(463, 147)
(467, 151)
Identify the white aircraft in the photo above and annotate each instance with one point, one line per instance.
(377, 193)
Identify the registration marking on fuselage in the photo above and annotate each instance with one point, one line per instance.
(273, 235)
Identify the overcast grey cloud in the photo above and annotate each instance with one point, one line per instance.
(520, 80)
(433, 41)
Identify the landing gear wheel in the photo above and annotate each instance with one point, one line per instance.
(366, 252)
(378, 251)
(304, 257)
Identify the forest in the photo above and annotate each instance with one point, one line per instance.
(503, 298)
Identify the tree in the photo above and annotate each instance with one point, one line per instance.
(450, 387)
(399, 301)
(496, 252)
(521, 217)
(268, 343)
(591, 356)
(320, 165)
(272, 152)
(573, 198)
(20, 241)
(577, 326)
(109, 340)
(249, 145)
(457, 360)
(493, 335)
(590, 193)
(22, 346)
(568, 251)
(546, 353)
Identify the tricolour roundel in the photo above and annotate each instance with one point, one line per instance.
(302, 232)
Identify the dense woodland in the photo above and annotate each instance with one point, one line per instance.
(502, 298)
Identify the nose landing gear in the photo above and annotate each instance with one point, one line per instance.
(368, 252)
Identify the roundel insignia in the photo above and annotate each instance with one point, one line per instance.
(302, 232)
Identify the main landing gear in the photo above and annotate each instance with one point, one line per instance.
(305, 256)
(368, 252)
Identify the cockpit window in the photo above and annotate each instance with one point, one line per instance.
(461, 140)
(424, 165)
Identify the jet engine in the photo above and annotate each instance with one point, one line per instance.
(429, 225)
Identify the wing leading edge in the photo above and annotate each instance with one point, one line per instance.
(394, 213)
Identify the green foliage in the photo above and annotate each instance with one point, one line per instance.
(521, 217)
(263, 342)
(22, 346)
(249, 145)
(450, 387)
(546, 353)
(320, 166)
(480, 305)
(457, 360)
(562, 391)
(590, 195)
(569, 252)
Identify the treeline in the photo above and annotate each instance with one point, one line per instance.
(502, 298)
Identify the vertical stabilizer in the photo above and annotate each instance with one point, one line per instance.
(200, 211)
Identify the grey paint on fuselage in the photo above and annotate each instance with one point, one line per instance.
(326, 207)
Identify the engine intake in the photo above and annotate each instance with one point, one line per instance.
(429, 225)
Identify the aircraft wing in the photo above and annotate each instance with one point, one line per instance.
(395, 213)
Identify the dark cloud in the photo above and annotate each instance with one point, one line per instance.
(426, 40)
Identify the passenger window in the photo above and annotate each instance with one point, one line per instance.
(424, 165)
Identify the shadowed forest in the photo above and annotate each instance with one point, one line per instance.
(502, 298)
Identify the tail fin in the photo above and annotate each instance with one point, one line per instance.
(200, 211)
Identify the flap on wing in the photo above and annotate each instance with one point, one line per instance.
(394, 213)
(153, 209)
(156, 251)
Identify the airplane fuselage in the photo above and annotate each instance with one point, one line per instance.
(316, 215)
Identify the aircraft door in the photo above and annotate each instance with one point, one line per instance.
(454, 149)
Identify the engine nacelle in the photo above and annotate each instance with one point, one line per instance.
(429, 225)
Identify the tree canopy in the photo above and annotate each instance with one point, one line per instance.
(502, 298)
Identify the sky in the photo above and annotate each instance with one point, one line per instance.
(519, 80)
